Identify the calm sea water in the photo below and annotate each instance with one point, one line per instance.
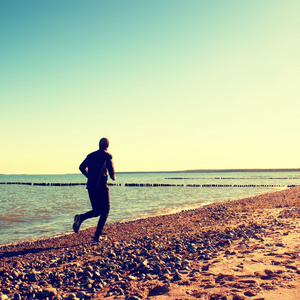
(31, 212)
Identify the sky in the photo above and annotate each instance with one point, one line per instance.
(173, 84)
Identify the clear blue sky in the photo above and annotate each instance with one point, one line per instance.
(174, 85)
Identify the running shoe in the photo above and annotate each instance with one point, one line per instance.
(76, 224)
(97, 240)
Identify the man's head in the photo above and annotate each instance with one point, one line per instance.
(104, 143)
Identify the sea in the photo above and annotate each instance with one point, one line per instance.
(40, 206)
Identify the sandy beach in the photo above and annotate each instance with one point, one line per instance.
(242, 249)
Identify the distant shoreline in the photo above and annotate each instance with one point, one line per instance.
(217, 171)
(239, 170)
(190, 171)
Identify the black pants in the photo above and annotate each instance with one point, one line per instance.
(100, 207)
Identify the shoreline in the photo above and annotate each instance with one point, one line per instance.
(139, 217)
(166, 211)
(246, 248)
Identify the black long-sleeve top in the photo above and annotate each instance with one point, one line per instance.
(96, 168)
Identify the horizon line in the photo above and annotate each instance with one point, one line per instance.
(190, 171)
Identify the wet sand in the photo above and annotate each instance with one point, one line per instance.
(242, 249)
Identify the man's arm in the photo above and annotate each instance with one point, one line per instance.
(83, 168)
(110, 168)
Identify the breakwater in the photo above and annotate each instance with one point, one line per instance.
(153, 184)
(52, 183)
(33, 206)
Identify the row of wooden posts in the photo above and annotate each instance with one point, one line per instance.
(152, 184)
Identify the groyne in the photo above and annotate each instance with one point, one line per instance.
(156, 185)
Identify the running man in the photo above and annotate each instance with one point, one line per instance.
(96, 168)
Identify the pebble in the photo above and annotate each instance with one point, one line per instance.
(205, 268)
(177, 276)
(81, 295)
(49, 292)
(133, 298)
(32, 276)
(72, 296)
(159, 290)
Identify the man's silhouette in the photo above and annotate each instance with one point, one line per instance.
(96, 167)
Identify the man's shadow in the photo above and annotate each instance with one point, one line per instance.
(9, 254)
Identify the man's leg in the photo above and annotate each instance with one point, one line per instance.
(95, 212)
(104, 208)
